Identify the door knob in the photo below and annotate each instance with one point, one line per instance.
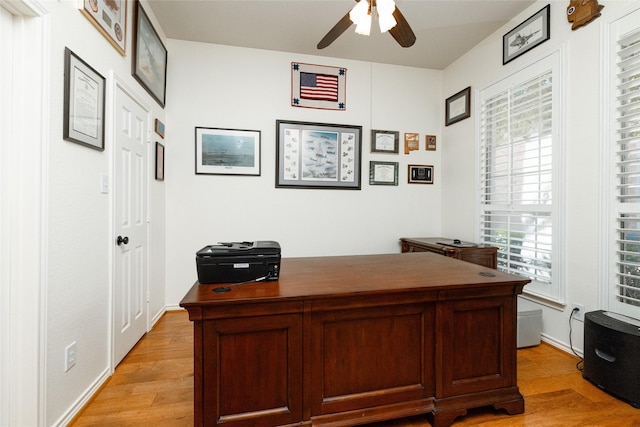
(122, 240)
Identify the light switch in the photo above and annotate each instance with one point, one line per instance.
(104, 184)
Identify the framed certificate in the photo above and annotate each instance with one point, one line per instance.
(84, 92)
(384, 141)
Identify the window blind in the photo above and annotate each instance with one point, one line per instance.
(516, 176)
(627, 171)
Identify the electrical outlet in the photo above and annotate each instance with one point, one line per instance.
(70, 356)
(579, 314)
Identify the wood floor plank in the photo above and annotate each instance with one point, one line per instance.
(153, 386)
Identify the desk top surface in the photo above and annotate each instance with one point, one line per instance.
(339, 276)
(444, 242)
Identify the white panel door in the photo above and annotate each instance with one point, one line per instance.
(6, 97)
(131, 228)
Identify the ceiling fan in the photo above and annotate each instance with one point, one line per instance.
(401, 31)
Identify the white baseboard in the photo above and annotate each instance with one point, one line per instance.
(157, 317)
(561, 345)
(82, 401)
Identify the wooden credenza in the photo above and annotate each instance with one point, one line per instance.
(476, 253)
(341, 341)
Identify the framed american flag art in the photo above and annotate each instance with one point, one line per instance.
(318, 86)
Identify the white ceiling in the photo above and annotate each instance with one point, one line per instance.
(444, 29)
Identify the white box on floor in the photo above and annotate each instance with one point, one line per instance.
(529, 323)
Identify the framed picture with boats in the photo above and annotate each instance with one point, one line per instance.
(227, 151)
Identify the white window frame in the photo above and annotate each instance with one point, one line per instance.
(617, 28)
(553, 293)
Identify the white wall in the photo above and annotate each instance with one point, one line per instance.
(237, 88)
(483, 66)
(80, 240)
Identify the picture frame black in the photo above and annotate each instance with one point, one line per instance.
(420, 174)
(383, 173)
(221, 151)
(458, 107)
(318, 155)
(84, 103)
(385, 141)
(531, 33)
(159, 162)
(149, 59)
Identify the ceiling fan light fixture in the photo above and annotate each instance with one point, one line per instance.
(361, 16)
(385, 9)
(386, 21)
(364, 26)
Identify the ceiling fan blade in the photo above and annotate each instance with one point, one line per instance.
(335, 32)
(402, 32)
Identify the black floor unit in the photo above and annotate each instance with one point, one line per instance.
(612, 354)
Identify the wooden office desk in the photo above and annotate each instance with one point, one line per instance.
(478, 254)
(349, 340)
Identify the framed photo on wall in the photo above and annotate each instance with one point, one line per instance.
(458, 107)
(430, 142)
(420, 174)
(411, 142)
(318, 155)
(529, 34)
(227, 151)
(159, 162)
(149, 60)
(84, 94)
(110, 18)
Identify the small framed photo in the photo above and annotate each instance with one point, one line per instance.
(159, 128)
(411, 142)
(159, 162)
(458, 107)
(385, 141)
(529, 34)
(383, 173)
(149, 59)
(430, 142)
(420, 174)
(227, 151)
(84, 94)
(318, 155)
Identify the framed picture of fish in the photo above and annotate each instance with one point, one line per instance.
(110, 18)
(529, 34)
(227, 151)
(317, 155)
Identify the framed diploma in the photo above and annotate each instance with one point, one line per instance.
(458, 107)
(84, 92)
(383, 173)
(384, 141)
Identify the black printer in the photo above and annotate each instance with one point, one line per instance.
(236, 262)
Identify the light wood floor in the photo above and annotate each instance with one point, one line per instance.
(153, 386)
